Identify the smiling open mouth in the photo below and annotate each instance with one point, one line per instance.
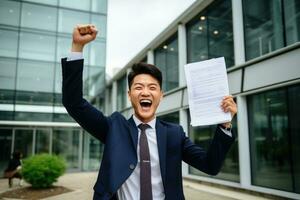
(146, 103)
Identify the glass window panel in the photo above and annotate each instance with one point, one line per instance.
(31, 116)
(203, 136)
(42, 141)
(99, 6)
(5, 147)
(58, 79)
(8, 73)
(9, 12)
(269, 140)
(7, 80)
(171, 117)
(92, 152)
(41, 81)
(6, 115)
(64, 48)
(210, 34)
(292, 20)
(166, 58)
(68, 19)
(294, 122)
(98, 54)
(37, 89)
(100, 22)
(37, 46)
(33, 15)
(66, 144)
(34, 98)
(23, 141)
(9, 43)
(77, 4)
(263, 27)
(58, 117)
(49, 2)
(121, 94)
(97, 80)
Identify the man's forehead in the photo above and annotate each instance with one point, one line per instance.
(144, 79)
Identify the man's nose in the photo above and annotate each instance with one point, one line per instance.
(145, 92)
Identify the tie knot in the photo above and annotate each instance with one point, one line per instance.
(143, 127)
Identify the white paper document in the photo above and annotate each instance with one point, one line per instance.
(207, 84)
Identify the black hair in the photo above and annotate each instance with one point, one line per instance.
(144, 68)
(17, 155)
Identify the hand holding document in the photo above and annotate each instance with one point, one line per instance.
(207, 84)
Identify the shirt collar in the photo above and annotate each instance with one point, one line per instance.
(137, 121)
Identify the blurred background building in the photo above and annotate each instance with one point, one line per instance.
(260, 43)
(34, 36)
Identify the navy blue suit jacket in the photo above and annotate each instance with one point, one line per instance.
(120, 138)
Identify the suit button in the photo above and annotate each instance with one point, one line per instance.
(131, 166)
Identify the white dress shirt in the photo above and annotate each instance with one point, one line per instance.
(131, 187)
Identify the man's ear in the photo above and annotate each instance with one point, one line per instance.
(161, 96)
(128, 95)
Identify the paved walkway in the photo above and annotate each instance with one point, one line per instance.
(82, 186)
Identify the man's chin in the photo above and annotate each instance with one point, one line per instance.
(146, 116)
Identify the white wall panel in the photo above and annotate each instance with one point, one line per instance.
(281, 68)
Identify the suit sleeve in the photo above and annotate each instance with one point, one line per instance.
(209, 161)
(91, 119)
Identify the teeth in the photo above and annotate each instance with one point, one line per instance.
(145, 101)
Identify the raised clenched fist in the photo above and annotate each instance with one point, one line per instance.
(83, 34)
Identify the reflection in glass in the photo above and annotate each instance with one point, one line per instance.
(77, 4)
(99, 6)
(166, 58)
(23, 141)
(35, 89)
(203, 136)
(33, 15)
(294, 122)
(170, 117)
(9, 43)
(68, 19)
(274, 138)
(32, 116)
(263, 27)
(63, 49)
(210, 34)
(9, 12)
(7, 80)
(121, 94)
(37, 46)
(6, 115)
(292, 20)
(92, 152)
(66, 144)
(42, 141)
(5, 147)
(60, 117)
(98, 54)
(49, 2)
(97, 80)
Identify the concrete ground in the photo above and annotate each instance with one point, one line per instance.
(82, 186)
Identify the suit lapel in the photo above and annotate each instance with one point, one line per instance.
(161, 135)
(133, 132)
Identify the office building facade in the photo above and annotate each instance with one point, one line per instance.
(34, 36)
(260, 43)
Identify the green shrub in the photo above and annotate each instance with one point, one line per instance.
(41, 171)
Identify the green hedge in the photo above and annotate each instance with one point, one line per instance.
(41, 171)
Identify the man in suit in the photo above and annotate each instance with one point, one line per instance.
(142, 156)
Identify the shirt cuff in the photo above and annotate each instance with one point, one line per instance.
(75, 56)
(226, 131)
